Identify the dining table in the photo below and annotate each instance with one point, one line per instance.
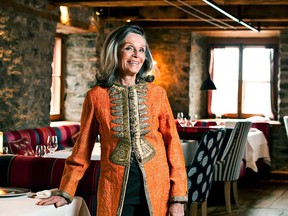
(256, 144)
(256, 148)
(25, 206)
(96, 153)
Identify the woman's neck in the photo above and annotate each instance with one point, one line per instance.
(126, 80)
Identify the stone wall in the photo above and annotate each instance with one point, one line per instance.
(171, 51)
(198, 73)
(279, 150)
(26, 51)
(81, 64)
(283, 75)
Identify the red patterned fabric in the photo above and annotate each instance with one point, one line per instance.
(65, 132)
(21, 147)
(38, 136)
(195, 129)
(36, 174)
(205, 123)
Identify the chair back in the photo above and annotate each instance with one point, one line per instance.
(228, 167)
(285, 119)
(200, 172)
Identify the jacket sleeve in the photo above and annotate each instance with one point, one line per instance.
(79, 160)
(178, 176)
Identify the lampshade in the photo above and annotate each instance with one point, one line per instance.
(208, 84)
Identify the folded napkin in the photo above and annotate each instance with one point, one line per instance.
(46, 193)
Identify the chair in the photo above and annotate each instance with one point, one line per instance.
(200, 172)
(285, 119)
(189, 148)
(227, 168)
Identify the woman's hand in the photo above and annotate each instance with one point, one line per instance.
(176, 209)
(56, 200)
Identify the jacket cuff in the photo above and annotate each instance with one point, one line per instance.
(65, 195)
(178, 199)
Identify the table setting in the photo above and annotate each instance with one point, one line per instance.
(21, 201)
(67, 152)
(256, 145)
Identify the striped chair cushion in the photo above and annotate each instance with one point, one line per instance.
(229, 165)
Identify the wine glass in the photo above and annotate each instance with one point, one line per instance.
(193, 119)
(52, 144)
(218, 118)
(180, 119)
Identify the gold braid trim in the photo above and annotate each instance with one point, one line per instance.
(128, 106)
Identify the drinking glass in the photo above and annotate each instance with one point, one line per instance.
(52, 144)
(40, 150)
(181, 119)
(218, 118)
(5, 150)
(193, 119)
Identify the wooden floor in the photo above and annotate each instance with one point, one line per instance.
(261, 197)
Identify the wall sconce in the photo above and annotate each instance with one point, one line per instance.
(208, 84)
(64, 17)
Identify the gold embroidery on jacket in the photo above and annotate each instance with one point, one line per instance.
(128, 106)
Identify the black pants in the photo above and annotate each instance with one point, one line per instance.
(135, 210)
(135, 203)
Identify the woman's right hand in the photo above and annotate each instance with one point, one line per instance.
(56, 200)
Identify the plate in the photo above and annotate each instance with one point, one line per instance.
(13, 192)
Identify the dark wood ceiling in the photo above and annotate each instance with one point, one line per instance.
(270, 16)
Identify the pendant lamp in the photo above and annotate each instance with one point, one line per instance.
(208, 84)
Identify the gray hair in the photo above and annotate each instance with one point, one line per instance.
(109, 58)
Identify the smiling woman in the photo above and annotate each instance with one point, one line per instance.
(142, 164)
(131, 59)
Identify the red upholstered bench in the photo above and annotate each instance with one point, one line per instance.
(38, 136)
(37, 173)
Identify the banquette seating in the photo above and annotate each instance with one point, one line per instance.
(24, 141)
(23, 170)
(41, 173)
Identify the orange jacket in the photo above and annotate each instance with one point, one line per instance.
(153, 135)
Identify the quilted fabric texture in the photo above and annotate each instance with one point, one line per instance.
(21, 147)
(201, 170)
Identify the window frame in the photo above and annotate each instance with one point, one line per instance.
(60, 116)
(241, 43)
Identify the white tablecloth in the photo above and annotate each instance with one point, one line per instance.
(256, 148)
(24, 206)
(67, 152)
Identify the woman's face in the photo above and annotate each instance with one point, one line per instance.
(132, 54)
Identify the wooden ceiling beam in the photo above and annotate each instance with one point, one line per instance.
(142, 3)
(270, 15)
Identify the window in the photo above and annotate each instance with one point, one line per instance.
(243, 76)
(56, 88)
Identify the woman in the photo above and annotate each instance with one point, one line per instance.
(142, 164)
